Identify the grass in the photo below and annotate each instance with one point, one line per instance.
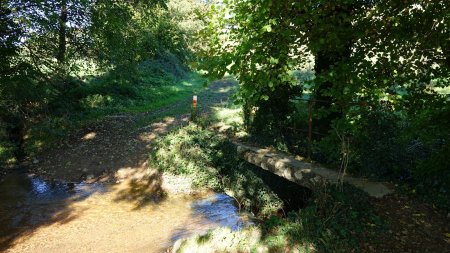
(110, 94)
(211, 161)
(6, 150)
(7, 153)
(229, 119)
(332, 221)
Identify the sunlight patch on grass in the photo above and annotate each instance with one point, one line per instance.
(247, 240)
(229, 115)
(149, 98)
(155, 97)
(6, 154)
(229, 120)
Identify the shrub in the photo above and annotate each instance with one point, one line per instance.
(334, 221)
(212, 162)
(377, 143)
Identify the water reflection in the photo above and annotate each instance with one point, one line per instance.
(39, 186)
(42, 216)
(220, 208)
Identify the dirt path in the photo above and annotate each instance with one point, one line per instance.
(411, 226)
(120, 144)
(120, 206)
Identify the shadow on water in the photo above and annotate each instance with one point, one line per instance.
(294, 196)
(216, 210)
(142, 191)
(137, 209)
(28, 202)
(100, 152)
(114, 149)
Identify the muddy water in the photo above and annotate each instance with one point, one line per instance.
(45, 216)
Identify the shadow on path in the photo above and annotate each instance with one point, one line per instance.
(96, 179)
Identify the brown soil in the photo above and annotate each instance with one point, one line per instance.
(134, 210)
(117, 148)
(412, 226)
(120, 144)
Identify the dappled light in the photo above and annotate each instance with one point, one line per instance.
(119, 191)
(97, 215)
(141, 190)
(224, 126)
(89, 136)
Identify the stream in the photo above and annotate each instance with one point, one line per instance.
(51, 216)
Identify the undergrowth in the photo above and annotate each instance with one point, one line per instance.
(147, 88)
(75, 101)
(212, 162)
(332, 221)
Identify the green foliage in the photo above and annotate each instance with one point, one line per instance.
(271, 115)
(270, 39)
(128, 33)
(389, 145)
(137, 50)
(183, 152)
(7, 157)
(376, 148)
(432, 180)
(338, 220)
(108, 95)
(377, 66)
(212, 162)
(333, 221)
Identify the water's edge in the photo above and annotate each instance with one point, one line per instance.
(89, 217)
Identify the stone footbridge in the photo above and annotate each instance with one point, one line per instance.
(306, 174)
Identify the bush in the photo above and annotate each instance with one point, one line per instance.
(337, 221)
(432, 177)
(165, 64)
(271, 115)
(212, 162)
(377, 148)
(409, 149)
(377, 143)
(7, 157)
(333, 222)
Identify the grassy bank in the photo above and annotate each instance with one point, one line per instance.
(332, 221)
(147, 87)
(145, 97)
(211, 162)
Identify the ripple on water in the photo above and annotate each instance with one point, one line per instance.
(41, 216)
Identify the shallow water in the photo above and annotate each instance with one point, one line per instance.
(45, 216)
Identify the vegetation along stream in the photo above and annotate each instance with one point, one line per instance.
(40, 215)
(55, 216)
(119, 124)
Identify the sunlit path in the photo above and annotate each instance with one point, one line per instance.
(122, 206)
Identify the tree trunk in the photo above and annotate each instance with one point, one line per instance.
(324, 61)
(61, 56)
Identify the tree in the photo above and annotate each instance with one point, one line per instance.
(14, 95)
(363, 50)
(55, 33)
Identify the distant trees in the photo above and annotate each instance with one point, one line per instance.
(362, 50)
(48, 47)
(378, 67)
